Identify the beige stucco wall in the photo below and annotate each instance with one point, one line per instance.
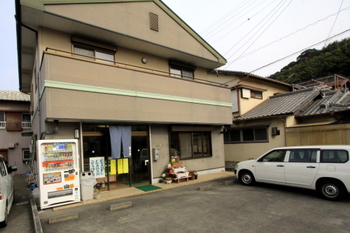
(56, 40)
(243, 151)
(160, 139)
(269, 89)
(133, 19)
(88, 104)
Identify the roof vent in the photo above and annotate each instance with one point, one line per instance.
(153, 22)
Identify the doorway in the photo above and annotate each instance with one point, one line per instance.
(140, 162)
(119, 173)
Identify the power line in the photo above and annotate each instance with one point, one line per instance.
(203, 32)
(262, 21)
(216, 27)
(260, 33)
(263, 32)
(245, 21)
(300, 51)
(334, 21)
(293, 33)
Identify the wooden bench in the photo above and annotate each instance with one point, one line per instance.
(177, 180)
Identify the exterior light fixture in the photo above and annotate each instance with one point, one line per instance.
(76, 133)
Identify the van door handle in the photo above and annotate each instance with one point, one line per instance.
(310, 167)
(280, 165)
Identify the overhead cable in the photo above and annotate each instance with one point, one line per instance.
(334, 21)
(245, 21)
(300, 51)
(293, 33)
(261, 28)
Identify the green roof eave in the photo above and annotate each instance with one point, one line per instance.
(39, 4)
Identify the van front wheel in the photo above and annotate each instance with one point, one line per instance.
(246, 178)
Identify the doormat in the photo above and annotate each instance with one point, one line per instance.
(148, 187)
(135, 182)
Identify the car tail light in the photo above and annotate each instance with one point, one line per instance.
(0, 194)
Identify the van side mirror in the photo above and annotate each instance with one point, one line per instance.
(12, 169)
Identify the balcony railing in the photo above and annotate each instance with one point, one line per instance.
(26, 125)
(125, 65)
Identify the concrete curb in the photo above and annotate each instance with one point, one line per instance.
(120, 205)
(36, 219)
(228, 182)
(204, 188)
(64, 218)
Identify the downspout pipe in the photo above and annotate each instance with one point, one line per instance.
(42, 135)
(19, 25)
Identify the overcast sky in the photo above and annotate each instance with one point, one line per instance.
(256, 36)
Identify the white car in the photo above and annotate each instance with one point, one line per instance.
(322, 168)
(7, 193)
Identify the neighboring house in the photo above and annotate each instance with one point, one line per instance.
(332, 82)
(94, 66)
(317, 115)
(247, 92)
(15, 120)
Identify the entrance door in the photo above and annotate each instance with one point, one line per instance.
(122, 172)
(140, 162)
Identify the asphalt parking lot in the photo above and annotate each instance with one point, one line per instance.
(223, 208)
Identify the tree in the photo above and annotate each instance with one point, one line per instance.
(313, 63)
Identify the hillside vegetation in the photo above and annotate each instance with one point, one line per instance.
(313, 63)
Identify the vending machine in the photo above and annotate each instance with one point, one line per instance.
(58, 177)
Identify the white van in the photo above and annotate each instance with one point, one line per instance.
(7, 194)
(322, 168)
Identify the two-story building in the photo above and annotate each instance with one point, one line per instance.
(315, 113)
(246, 138)
(128, 75)
(15, 120)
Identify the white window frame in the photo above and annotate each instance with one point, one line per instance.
(2, 120)
(91, 52)
(180, 72)
(26, 124)
(23, 153)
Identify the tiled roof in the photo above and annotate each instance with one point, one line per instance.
(241, 73)
(282, 104)
(330, 101)
(14, 96)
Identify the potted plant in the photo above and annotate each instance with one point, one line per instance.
(97, 190)
(103, 184)
(168, 180)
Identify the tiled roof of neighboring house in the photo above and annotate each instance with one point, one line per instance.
(14, 96)
(330, 101)
(240, 73)
(329, 81)
(282, 104)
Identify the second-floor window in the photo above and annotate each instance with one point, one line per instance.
(248, 93)
(26, 123)
(94, 53)
(180, 70)
(2, 120)
(256, 94)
